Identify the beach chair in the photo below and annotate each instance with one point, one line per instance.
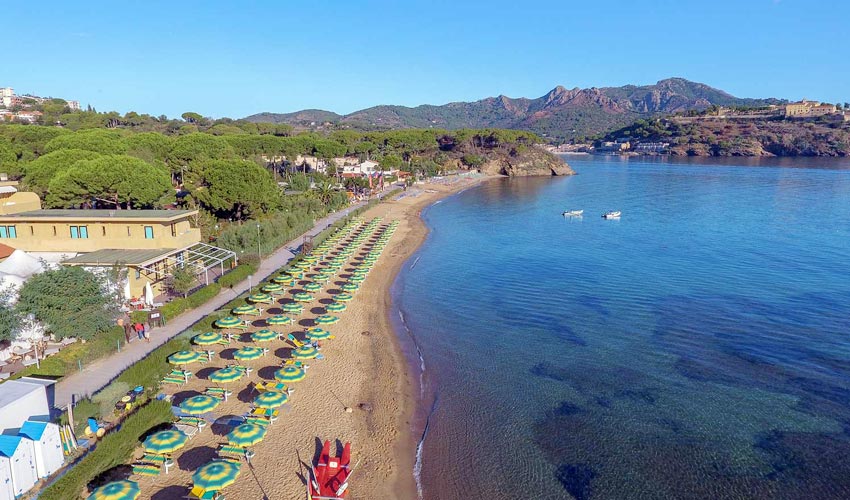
(229, 452)
(294, 341)
(270, 415)
(173, 380)
(271, 386)
(189, 430)
(146, 470)
(202, 494)
(161, 461)
(218, 392)
(199, 423)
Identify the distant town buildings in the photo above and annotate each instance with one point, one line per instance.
(15, 107)
(806, 109)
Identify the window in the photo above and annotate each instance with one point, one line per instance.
(79, 232)
(103, 228)
(148, 232)
(138, 274)
(174, 230)
(54, 230)
(128, 230)
(32, 231)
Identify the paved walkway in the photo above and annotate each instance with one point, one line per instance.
(98, 374)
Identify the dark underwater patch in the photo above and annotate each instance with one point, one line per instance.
(577, 479)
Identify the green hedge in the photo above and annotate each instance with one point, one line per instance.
(150, 370)
(237, 275)
(114, 449)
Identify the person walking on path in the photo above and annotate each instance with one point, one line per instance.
(146, 328)
(140, 330)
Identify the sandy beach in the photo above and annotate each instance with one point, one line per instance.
(364, 369)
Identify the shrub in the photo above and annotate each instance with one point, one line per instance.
(149, 371)
(115, 449)
(106, 398)
(203, 295)
(237, 275)
(83, 410)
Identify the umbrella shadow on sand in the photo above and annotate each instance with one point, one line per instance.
(307, 322)
(171, 492)
(227, 353)
(224, 424)
(204, 373)
(325, 301)
(267, 372)
(181, 396)
(283, 352)
(193, 458)
(317, 310)
(246, 395)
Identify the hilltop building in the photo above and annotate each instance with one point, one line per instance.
(807, 109)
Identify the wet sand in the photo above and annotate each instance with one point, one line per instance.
(364, 369)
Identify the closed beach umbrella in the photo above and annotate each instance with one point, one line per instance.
(318, 334)
(246, 309)
(208, 338)
(117, 490)
(216, 475)
(228, 322)
(249, 353)
(167, 441)
(272, 288)
(343, 297)
(305, 352)
(270, 399)
(246, 435)
(226, 374)
(289, 374)
(336, 307)
(184, 357)
(264, 335)
(312, 287)
(302, 297)
(279, 319)
(284, 280)
(326, 319)
(260, 298)
(350, 287)
(292, 307)
(197, 405)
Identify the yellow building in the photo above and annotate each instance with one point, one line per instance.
(805, 109)
(13, 201)
(149, 243)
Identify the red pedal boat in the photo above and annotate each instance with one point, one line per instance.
(329, 478)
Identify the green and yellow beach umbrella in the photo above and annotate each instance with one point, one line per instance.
(216, 475)
(303, 297)
(184, 357)
(309, 258)
(249, 353)
(228, 322)
(312, 287)
(167, 441)
(295, 272)
(270, 399)
(292, 307)
(200, 404)
(264, 335)
(336, 307)
(350, 287)
(245, 435)
(226, 374)
(318, 334)
(305, 352)
(343, 297)
(284, 280)
(289, 374)
(326, 319)
(208, 338)
(272, 288)
(116, 490)
(279, 319)
(356, 278)
(322, 277)
(260, 298)
(245, 310)
(303, 265)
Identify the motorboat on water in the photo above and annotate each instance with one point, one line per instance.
(611, 215)
(572, 213)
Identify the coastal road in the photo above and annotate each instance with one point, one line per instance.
(98, 374)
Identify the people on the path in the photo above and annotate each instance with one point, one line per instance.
(147, 330)
(140, 330)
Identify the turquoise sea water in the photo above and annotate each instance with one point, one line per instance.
(697, 348)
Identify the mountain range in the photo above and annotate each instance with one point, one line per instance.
(560, 114)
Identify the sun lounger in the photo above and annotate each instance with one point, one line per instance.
(261, 421)
(271, 386)
(218, 392)
(227, 451)
(174, 380)
(146, 470)
(202, 494)
(197, 422)
(189, 430)
(294, 341)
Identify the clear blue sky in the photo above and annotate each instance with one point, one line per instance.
(234, 58)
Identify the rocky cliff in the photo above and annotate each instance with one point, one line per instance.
(532, 161)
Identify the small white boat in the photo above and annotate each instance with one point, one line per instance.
(573, 213)
(611, 215)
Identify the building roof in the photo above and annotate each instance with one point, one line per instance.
(5, 251)
(32, 430)
(101, 215)
(113, 257)
(9, 445)
(14, 390)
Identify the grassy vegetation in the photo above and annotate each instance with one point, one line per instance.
(68, 359)
(150, 370)
(115, 449)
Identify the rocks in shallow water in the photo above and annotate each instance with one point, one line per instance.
(567, 408)
(576, 479)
